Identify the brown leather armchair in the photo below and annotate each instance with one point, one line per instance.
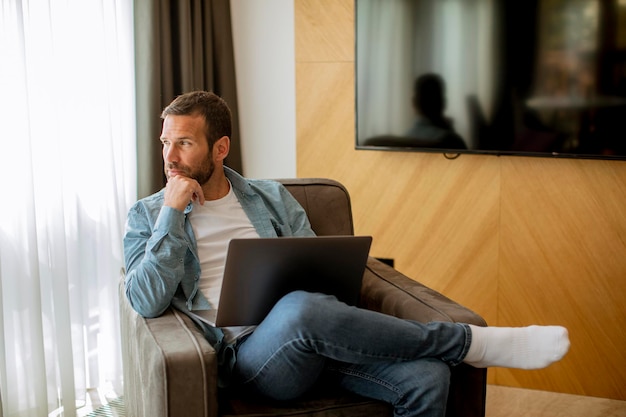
(171, 370)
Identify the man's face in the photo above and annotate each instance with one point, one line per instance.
(186, 149)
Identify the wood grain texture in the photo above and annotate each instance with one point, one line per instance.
(563, 255)
(324, 31)
(519, 240)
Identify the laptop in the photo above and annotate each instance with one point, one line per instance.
(258, 272)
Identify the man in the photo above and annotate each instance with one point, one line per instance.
(175, 248)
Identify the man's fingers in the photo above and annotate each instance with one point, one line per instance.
(199, 194)
(180, 190)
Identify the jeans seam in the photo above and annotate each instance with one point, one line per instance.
(293, 341)
(273, 355)
(268, 360)
(466, 346)
(365, 376)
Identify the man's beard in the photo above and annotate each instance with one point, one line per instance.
(202, 174)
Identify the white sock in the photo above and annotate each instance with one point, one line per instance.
(532, 347)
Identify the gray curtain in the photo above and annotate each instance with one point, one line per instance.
(180, 46)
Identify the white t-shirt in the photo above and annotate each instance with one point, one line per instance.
(214, 224)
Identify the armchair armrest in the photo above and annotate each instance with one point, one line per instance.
(388, 291)
(170, 370)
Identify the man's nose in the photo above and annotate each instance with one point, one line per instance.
(170, 154)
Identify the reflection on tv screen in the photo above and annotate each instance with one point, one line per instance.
(531, 77)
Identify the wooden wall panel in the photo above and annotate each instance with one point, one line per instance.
(324, 30)
(519, 240)
(562, 260)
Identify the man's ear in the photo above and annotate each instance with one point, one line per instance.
(221, 148)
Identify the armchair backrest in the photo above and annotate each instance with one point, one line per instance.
(326, 202)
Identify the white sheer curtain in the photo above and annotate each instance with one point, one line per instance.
(67, 145)
(399, 40)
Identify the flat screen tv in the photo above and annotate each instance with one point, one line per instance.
(505, 77)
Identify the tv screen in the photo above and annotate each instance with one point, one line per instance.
(525, 77)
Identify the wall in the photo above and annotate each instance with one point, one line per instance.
(263, 37)
(519, 240)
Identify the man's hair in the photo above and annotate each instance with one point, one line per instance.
(213, 108)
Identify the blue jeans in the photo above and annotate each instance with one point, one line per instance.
(307, 335)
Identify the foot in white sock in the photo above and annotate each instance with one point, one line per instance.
(532, 347)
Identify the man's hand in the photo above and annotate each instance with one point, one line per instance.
(180, 190)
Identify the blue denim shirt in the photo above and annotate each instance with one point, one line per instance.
(161, 258)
